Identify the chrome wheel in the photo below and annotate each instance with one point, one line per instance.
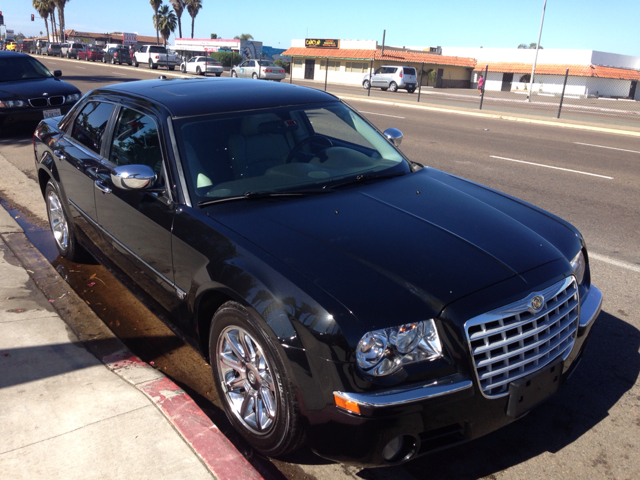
(58, 221)
(247, 380)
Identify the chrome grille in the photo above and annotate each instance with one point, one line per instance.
(516, 340)
(44, 101)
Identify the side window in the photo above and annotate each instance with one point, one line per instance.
(90, 124)
(135, 141)
(380, 70)
(391, 70)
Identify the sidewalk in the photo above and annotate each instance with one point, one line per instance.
(75, 403)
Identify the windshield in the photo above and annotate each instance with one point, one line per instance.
(21, 68)
(281, 150)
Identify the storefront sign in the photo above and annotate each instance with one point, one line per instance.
(321, 43)
(129, 38)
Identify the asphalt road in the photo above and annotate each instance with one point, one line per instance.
(591, 429)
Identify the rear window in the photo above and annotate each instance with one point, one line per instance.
(157, 50)
(409, 71)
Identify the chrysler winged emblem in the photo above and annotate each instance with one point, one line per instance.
(537, 302)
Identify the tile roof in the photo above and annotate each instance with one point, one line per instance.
(554, 69)
(390, 55)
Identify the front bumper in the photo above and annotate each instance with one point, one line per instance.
(428, 417)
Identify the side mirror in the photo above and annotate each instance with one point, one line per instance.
(394, 136)
(57, 73)
(133, 177)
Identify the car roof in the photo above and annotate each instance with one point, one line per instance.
(11, 53)
(199, 96)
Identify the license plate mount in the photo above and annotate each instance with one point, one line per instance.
(527, 392)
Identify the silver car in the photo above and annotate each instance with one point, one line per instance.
(264, 69)
(392, 78)
(197, 65)
(70, 50)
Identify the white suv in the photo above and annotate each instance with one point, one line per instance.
(392, 77)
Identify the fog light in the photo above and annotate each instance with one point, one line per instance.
(393, 449)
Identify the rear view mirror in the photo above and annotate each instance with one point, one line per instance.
(133, 177)
(394, 136)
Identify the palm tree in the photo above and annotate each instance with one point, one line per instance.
(52, 16)
(178, 8)
(193, 7)
(42, 7)
(167, 21)
(61, 4)
(155, 4)
(243, 36)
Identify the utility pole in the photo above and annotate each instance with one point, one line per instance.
(533, 70)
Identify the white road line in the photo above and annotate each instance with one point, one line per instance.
(613, 261)
(381, 114)
(555, 168)
(610, 148)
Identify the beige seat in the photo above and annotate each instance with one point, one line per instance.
(261, 144)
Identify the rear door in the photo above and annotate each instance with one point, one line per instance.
(80, 161)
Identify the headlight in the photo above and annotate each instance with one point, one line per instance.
(382, 352)
(579, 266)
(74, 97)
(13, 103)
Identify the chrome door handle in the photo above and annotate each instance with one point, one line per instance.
(101, 187)
(60, 154)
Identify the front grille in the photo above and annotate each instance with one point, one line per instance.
(44, 101)
(515, 341)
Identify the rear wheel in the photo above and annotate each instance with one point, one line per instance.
(151, 65)
(61, 228)
(411, 90)
(366, 85)
(393, 87)
(234, 74)
(198, 71)
(251, 378)
(254, 76)
(171, 69)
(113, 60)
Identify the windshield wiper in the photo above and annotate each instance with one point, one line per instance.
(364, 178)
(258, 195)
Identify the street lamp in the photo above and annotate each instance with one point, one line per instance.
(533, 70)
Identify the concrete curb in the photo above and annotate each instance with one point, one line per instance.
(216, 452)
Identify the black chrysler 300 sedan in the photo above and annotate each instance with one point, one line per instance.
(345, 296)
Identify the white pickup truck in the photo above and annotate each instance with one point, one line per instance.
(155, 56)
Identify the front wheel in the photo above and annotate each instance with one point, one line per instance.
(366, 85)
(61, 228)
(198, 71)
(251, 378)
(254, 76)
(393, 87)
(234, 74)
(135, 64)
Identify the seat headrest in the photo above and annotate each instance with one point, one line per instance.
(263, 123)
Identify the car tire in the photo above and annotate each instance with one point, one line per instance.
(262, 376)
(218, 74)
(198, 71)
(393, 87)
(67, 55)
(113, 60)
(411, 90)
(384, 89)
(366, 85)
(152, 66)
(234, 74)
(135, 64)
(61, 227)
(171, 69)
(104, 60)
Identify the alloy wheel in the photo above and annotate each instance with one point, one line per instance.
(58, 221)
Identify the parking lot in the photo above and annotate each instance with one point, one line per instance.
(591, 429)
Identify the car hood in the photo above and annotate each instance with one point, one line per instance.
(37, 88)
(420, 241)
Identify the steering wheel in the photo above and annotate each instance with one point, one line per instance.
(318, 141)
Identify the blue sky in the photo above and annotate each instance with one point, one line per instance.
(610, 26)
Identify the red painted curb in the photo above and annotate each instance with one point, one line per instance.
(215, 450)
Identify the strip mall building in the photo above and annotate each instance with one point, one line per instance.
(591, 73)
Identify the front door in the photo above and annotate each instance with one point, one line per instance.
(136, 224)
(507, 78)
(439, 78)
(309, 69)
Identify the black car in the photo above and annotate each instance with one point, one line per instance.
(117, 55)
(30, 92)
(342, 293)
